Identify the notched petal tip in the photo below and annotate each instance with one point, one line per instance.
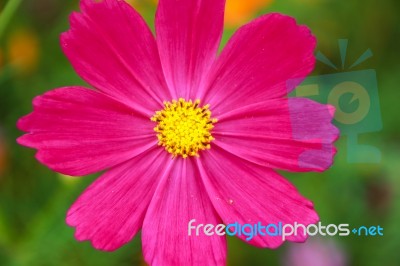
(332, 110)
(335, 130)
(22, 123)
(24, 141)
(96, 243)
(95, 239)
(302, 29)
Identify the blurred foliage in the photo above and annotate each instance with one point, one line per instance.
(34, 200)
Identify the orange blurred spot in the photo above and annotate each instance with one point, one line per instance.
(237, 12)
(23, 50)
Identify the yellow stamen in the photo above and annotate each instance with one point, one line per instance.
(184, 128)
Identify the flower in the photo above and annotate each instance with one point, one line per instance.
(182, 133)
(316, 252)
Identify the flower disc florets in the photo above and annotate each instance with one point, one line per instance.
(184, 128)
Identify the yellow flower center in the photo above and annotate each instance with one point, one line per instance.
(184, 128)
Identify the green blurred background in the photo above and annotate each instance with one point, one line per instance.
(34, 200)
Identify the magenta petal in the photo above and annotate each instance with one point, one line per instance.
(188, 36)
(78, 131)
(259, 63)
(111, 47)
(181, 197)
(247, 193)
(111, 210)
(293, 134)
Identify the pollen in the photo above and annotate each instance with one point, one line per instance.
(184, 128)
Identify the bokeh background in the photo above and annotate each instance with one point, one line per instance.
(34, 200)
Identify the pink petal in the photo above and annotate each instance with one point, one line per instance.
(259, 63)
(111, 47)
(78, 131)
(247, 193)
(293, 134)
(188, 37)
(180, 197)
(111, 211)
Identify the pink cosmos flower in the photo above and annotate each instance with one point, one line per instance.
(182, 133)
